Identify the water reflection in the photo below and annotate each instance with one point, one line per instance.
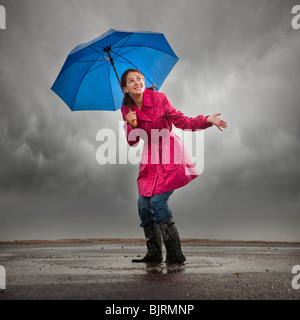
(162, 268)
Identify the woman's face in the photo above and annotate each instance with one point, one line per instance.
(135, 84)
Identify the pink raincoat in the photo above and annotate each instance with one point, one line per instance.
(165, 165)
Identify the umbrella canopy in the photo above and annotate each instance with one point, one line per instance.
(89, 78)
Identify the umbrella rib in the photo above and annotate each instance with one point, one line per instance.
(75, 97)
(84, 60)
(144, 46)
(136, 47)
(135, 67)
(88, 61)
(80, 61)
(130, 35)
(100, 52)
(86, 72)
(90, 70)
(127, 35)
(96, 45)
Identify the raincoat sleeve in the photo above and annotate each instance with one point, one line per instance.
(131, 138)
(183, 122)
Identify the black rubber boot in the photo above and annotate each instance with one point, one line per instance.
(154, 244)
(172, 242)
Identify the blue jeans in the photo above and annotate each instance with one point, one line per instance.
(154, 208)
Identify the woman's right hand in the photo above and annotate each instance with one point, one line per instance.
(131, 118)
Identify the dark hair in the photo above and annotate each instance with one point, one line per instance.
(128, 101)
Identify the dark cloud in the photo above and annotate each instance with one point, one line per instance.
(240, 58)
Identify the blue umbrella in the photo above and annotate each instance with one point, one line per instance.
(89, 78)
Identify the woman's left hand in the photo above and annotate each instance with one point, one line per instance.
(215, 120)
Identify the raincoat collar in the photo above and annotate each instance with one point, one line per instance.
(140, 114)
(148, 98)
(147, 102)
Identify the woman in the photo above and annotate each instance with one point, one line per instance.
(165, 165)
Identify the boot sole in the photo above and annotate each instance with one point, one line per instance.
(145, 261)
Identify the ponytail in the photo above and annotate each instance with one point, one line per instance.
(127, 101)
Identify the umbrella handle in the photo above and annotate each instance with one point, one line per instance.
(134, 123)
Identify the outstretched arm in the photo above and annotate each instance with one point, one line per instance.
(183, 122)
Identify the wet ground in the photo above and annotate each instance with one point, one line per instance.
(105, 272)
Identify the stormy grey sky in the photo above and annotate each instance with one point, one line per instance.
(237, 57)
